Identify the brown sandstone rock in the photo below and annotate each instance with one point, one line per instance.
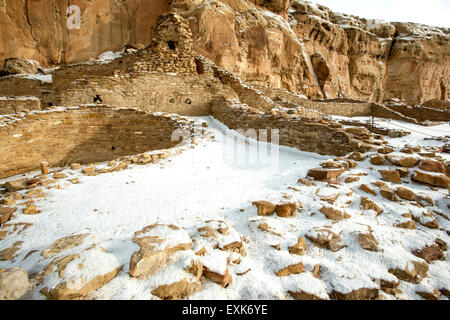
(265, 208)
(359, 294)
(334, 214)
(178, 290)
(405, 193)
(292, 269)
(377, 160)
(367, 242)
(430, 253)
(324, 174)
(432, 166)
(429, 295)
(63, 244)
(368, 189)
(31, 209)
(224, 279)
(16, 185)
(413, 273)
(302, 295)
(325, 238)
(286, 210)
(407, 162)
(367, 204)
(410, 225)
(59, 175)
(388, 193)
(157, 244)
(20, 66)
(390, 175)
(299, 248)
(436, 179)
(5, 214)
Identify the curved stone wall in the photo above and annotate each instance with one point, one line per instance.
(83, 135)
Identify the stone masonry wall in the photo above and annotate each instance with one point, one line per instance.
(184, 94)
(18, 104)
(313, 135)
(83, 135)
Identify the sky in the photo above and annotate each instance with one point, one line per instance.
(430, 12)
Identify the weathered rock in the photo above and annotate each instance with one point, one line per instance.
(407, 162)
(178, 290)
(59, 175)
(367, 242)
(14, 284)
(403, 172)
(434, 179)
(20, 66)
(424, 200)
(30, 210)
(367, 204)
(357, 156)
(414, 272)
(377, 160)
(265, 208)
(289, 270)
(302, 295)
(325, 238)
(352, 179)
(16, 185)
(334, 214)
(390, 175)
(359, 294)
(6, 213)
(286, 210)
(63, 244)
(430, 253)
(223, 279)
(321, 174)
(410, 225)
(429, 295)
(367, 189)
(299, 248)
(157, 244)
(405, 193)
(75, 276)
(386, 150)
(432, 166)
(389, 194)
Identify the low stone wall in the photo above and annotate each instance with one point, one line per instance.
(83, 135)
(9, 105)
(184, 94)
(422, 114)
(313, 135)
(381, 111)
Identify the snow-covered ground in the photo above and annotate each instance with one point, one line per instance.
(207, 183)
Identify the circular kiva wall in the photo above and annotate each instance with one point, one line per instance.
(81, 135)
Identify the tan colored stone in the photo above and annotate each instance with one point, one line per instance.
(324, 174)
(407, 162)
(367, 204)
(178, 290)
(334, 214)
(289, 270)
(156, 247)
(6, 213)
(63, 244)
(377, 160)
(436, 179)
(265, 208)
(430, 253)
(302, 295)
(286, 210)
(359, 294)
(390, 175)
(413, 273)
(222, 279)
(405, 193)
(410, 225)
(432, 166)
(299, 248)
(367, 242)
(31, 209)
(367, 189)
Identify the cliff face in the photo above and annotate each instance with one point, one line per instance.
(296, 45)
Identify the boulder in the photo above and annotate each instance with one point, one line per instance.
(409, 225)
(389, 194)
(16, 185)
(429, 295)
(357, 156)
(304, 296)
(14, 284)
(291, 269)
(377, 160)
(432, 166)
(6, 213)
(334, 214)
(157, 244)
(368, 242)
(222, 278)
(322, 174)
(390, 175)
(386, 150)
(77, 275)
(299, 248)
(63, 244)
(265, 208)
(405, 194)
(20, 66)
(178, 290)
(434, 179)
(359, 294)
(430, 253)
(286, 210)
(414, 272)
(407, 162)
(367, 189)
(367, 204)
(325, 238)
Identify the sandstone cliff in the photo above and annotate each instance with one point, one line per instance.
(296, 45)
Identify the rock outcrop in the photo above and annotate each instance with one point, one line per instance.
(295, 45)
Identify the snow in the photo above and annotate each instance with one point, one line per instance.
(206, 185)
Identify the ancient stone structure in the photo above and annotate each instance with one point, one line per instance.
(81, 135)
